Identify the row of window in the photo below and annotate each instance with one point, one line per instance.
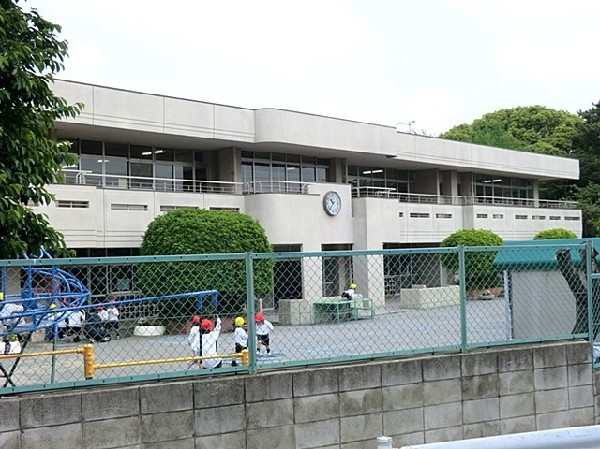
(123, 165)
(494, 216)
(279, 167)
(502, 187)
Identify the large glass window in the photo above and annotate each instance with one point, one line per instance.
(141, 175)
(164, 176)
(378, 178)
(283, 171)
(121, 165)
(494, 189)
(115, 169)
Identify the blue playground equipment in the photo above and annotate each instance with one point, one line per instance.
(48, 297)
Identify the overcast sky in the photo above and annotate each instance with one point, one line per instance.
(438, 63)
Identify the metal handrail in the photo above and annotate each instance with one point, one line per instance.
(419, 198)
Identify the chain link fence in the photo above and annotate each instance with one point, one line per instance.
(174, 316)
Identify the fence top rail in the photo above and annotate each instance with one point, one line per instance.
(124, 260)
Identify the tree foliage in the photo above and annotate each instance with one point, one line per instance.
(193, 231)
(555, 233)
(30, 55)
(587, 146)
(586, 190)
(479, 272)
(534, 128)
(588, 198)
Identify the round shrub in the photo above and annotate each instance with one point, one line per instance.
(479, 272)
(555, 233)
(194, 231)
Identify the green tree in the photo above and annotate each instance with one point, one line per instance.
(587, 146)
(588, 198)
(479, 272)
(555, 233)
(534, 128)
(30, 55)
(193, 231)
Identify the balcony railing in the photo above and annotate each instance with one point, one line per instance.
(86, 177)
(384, 192)
(276, 187)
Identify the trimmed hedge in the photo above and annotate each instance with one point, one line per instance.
(194, 231)
(478, 265)
(555, 233)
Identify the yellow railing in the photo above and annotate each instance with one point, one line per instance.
(90, 366)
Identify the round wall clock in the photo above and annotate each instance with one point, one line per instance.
(332, 203)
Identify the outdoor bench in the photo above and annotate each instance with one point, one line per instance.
(326, 311)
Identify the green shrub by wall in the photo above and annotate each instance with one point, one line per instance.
(193, 231)
(479, 273)
(555, 233)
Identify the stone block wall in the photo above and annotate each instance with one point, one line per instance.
(413, 400)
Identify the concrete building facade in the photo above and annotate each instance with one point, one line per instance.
(144, 154)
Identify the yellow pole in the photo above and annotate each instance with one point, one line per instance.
(89, 367)
(245, 358)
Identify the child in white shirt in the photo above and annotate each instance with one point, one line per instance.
(203, 340)
(240, 337)
(263, 330)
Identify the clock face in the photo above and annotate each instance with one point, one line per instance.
(332, 203)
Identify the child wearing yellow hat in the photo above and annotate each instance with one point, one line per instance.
(240, 337)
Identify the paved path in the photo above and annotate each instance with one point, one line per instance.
(393, 330)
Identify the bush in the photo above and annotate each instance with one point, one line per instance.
(555, 233)
(193, 231)
(479, 273)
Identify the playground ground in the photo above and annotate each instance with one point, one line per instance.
(392, 330)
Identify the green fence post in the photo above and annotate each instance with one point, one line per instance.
(589, 250)
(462, 286)
(250, 313)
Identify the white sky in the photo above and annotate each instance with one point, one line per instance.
(438, 63)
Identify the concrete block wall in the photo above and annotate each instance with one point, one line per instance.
(414, 400)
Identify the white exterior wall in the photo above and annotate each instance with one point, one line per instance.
(365, 223)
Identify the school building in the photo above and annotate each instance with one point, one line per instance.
(315, 183)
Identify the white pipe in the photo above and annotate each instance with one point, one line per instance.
(566, 438)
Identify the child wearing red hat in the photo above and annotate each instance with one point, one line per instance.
(263, 330)
(203, 340)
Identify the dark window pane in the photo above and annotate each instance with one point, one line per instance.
(140, 152)
(116, 149)
(247, 172)
(278, 172)
(91, 147)
(308, 174)
(164, 154)
(261, 172)
(322, 174)
(164, 172)
(293, 173)
(184, 156)
(140, 172)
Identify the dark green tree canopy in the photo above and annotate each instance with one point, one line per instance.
(534, 128)
(30, 54)
(587, 146)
